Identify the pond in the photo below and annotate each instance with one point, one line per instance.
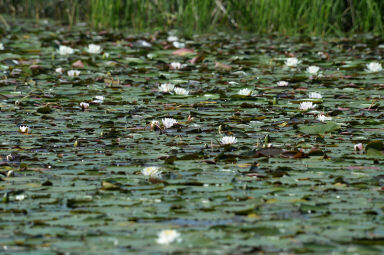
(234, 143)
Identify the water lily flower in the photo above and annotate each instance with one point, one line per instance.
(166, 87)
(190, 119)
(176, 65)
(94, 49)
(323, 118)
(315, 95)
(105, 55)
(178, 45)
(282, 83)
(1, 46)
(154, 124)
(168, 236)
(73, 73)
(313, 69)
(152, 171)
(168, 122)
(65, 50)
(20, 197)
(374, 67)
(307, 106)
(98, 99)
(84, 105)
(9, 157)
(228, 140)
(172, 38)
(181, 91)
(358, 147)
(24, 129)
(10, 173)
(292, 62)
(59, 70)
(144, 44)
(322, 54)
(245, 92)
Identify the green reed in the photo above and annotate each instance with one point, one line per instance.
(289, 17)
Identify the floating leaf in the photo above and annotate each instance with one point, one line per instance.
(375, 148)
(328, 127)
(44, 110)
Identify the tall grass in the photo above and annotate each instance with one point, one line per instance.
(312, 17)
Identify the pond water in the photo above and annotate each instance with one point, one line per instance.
(300, 179)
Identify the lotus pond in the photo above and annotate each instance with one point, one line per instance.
(290, 165)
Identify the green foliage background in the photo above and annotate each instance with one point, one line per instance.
(315, 17)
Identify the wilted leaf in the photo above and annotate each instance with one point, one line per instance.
(78, 64)
(223, 67)
(183, 52)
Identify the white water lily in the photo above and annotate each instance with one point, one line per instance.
(172, 38)
(84, 105)
(144, 44)
(180, 91)
(292, 62)
(166, 87)
(315, 95)
(73, 73)
(374, 67)
(65, 50)
(322, 54)
(178, 45)
(245, 92)
(323, 118)
(24, 129)
(20, 197)
(152, 171)
(98, 99)
(307, 106)
(1, 46)
(168, 122)
(228, 140)
(282, 83)
(94, 49)
(59, 70)
(154, 124)
(176, 65)
(168, 236)
(9, 157)
(358, 147)
(313, 69)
